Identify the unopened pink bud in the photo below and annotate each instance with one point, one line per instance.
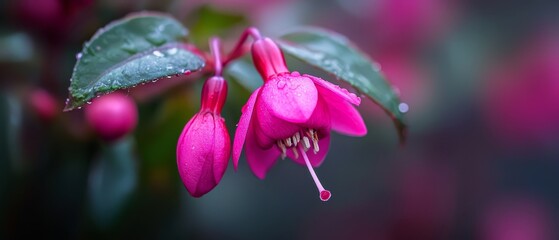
(204, 145)
(44, 104)
(203, 152)
(112, 116)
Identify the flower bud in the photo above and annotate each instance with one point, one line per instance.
(112, 116)
(204, 146)
(44, 104)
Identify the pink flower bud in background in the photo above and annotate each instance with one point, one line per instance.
(49, 18)
(402, 23)
(204, 146)
(112, 116)
(44, 104)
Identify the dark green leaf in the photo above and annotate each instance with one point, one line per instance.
(137, 49)
(336, 55)
(112, 180)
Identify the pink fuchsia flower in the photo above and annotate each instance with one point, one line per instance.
(112, 116)
(291, 114)
(204, 146)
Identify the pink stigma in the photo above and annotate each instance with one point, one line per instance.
(324, 194)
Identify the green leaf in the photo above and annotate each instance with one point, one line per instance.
(336, 55)
(137, 49)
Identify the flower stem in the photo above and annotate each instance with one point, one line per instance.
(240, 49)
(215, 44)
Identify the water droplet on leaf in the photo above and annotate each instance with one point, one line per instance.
(158, 53)
(172, 51)
(403, 107)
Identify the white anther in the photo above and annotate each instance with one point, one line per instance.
(316, 147)
(283, 150)
(306, 143)
(288, 142)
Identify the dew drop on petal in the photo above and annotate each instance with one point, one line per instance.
(403, 107)
(281, 84)
(325, 195)
(79, 55)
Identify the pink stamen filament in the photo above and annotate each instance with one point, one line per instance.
(323, 193)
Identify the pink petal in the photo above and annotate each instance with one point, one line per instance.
(260, 160)
(222, 148)
(315, 159)
(335, 89)
(203, 153)
(269, 128)
(242, 127)
(321, 117)
(351, 124)
(291, 98)
(345, 118)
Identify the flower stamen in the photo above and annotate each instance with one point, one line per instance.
(295, 153)
(306, 143)
(323, 193)
(293, 142)
(288, 142)
(283, 149)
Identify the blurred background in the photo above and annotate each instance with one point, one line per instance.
(481, 162)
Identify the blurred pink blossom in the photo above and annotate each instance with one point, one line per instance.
(112, 116)
(517, 218)
(403, 23)
(44, 104)
(522, 99)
